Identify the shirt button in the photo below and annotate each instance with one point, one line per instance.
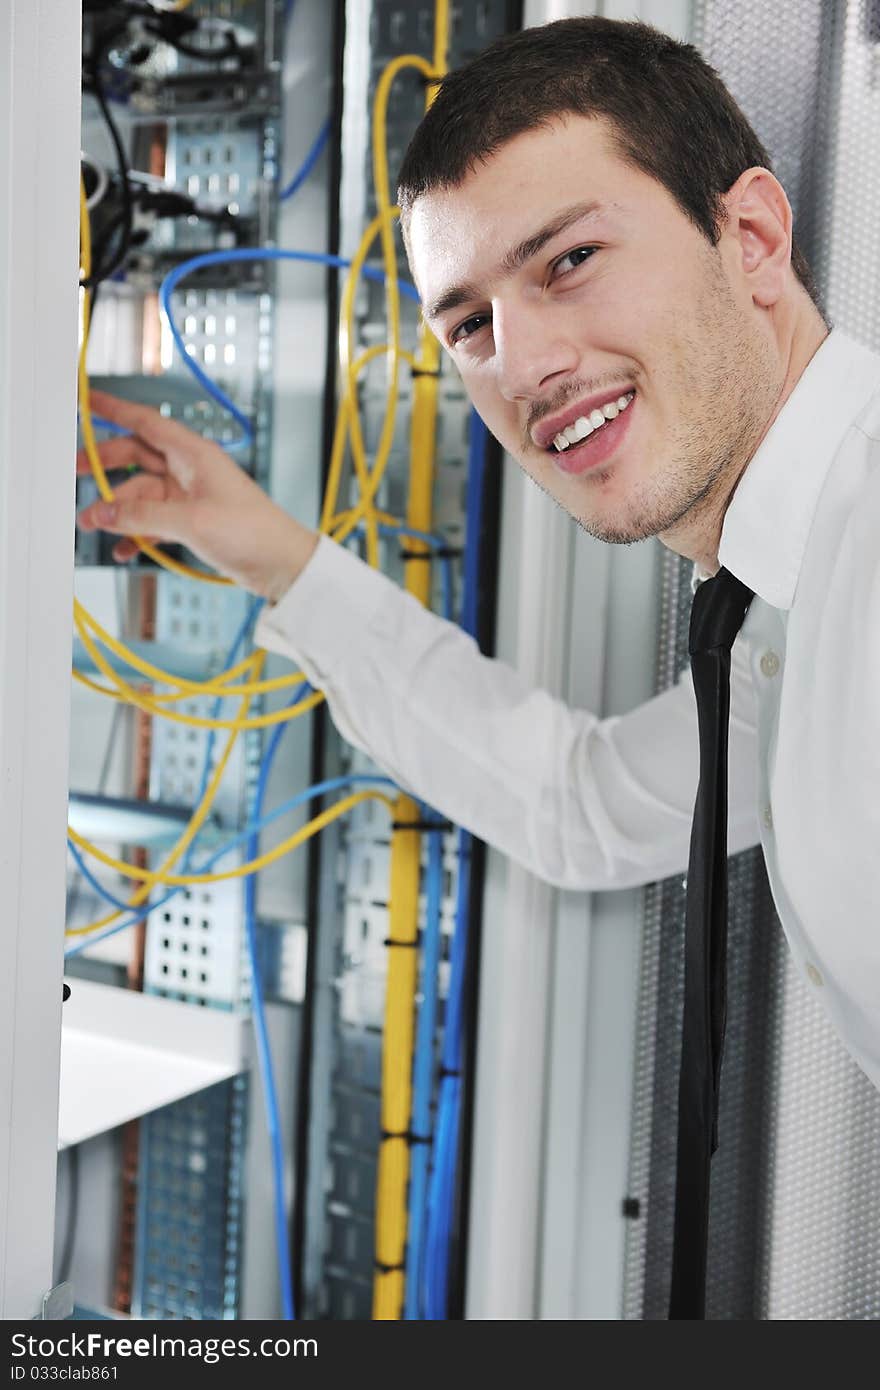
(814, 976)
(767, 817)
(769, 663)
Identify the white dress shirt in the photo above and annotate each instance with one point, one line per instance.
(589, 803)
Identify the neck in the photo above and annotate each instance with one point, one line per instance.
(797, 341)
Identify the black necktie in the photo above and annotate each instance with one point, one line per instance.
(719, 609)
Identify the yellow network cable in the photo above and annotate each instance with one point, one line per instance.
(381, 225)
(150, 876)
(188, 835)
(206, 802)
(221, 684)
(405, 848)
(88, 432)
(405, 854)
(397, 1044)
(150, 706)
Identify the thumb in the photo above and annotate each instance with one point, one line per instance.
(141, 516)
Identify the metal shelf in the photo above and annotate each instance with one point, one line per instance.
(124, 1054)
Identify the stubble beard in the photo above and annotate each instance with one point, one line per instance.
(727, 379)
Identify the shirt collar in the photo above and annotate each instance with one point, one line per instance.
(768, 519)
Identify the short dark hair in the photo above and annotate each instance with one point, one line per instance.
(670, 114)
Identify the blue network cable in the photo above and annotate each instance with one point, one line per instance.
(319, 789)
(441, 1194)
(423, 1060)
(250, 617)
(100, 889)
(264, 1055)
(95, 883)
(308, 163)
(423, 1069)
(258, 822)
(173, 278)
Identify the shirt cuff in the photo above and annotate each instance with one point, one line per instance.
(326, 611)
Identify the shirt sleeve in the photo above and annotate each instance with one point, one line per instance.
(582, 802)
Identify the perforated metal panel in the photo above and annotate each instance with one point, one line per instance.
(189, 1231)
(796, 1181)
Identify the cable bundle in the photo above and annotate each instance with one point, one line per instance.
(405, 1097)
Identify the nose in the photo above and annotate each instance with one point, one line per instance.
(532, 350)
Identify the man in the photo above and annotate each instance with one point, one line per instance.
(600, 246)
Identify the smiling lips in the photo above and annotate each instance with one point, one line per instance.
(579, 421)
(581, 445)
(585, 425)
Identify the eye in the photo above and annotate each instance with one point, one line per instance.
(571, 260)
(468, 328)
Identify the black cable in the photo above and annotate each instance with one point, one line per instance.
(232, 49)
(93, 63)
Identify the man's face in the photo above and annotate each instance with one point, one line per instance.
(563, 283)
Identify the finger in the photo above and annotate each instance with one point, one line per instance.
(125, 452)
(145, 487)
(153, 428)
(125, 550)
(166, 521)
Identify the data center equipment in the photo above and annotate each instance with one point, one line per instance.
(389, 1074)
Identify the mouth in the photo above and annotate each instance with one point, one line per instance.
(592, 438)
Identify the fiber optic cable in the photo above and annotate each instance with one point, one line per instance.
(264, 1053)
(423, 1067)
(99, 888)
(154, 708)
(253, 827)
(221, 684)
(445, 1147)
(347, 412)
(243, 253)
(194, 721)
(252, 612)
(95, 883)
(297, 706)
(397, 1050)
(363, 508)
(199, 816)
(263, 1045)
(308, 164)
(423, 1077)
(150, 876)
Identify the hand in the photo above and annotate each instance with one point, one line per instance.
(190, 491)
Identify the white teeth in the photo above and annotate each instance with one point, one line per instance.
(584, 425)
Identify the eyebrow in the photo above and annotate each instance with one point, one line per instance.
(516, 258)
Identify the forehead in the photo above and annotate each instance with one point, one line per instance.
(459, 233)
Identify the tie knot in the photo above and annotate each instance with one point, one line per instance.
(718, 612)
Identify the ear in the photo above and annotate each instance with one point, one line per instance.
(759, 225)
